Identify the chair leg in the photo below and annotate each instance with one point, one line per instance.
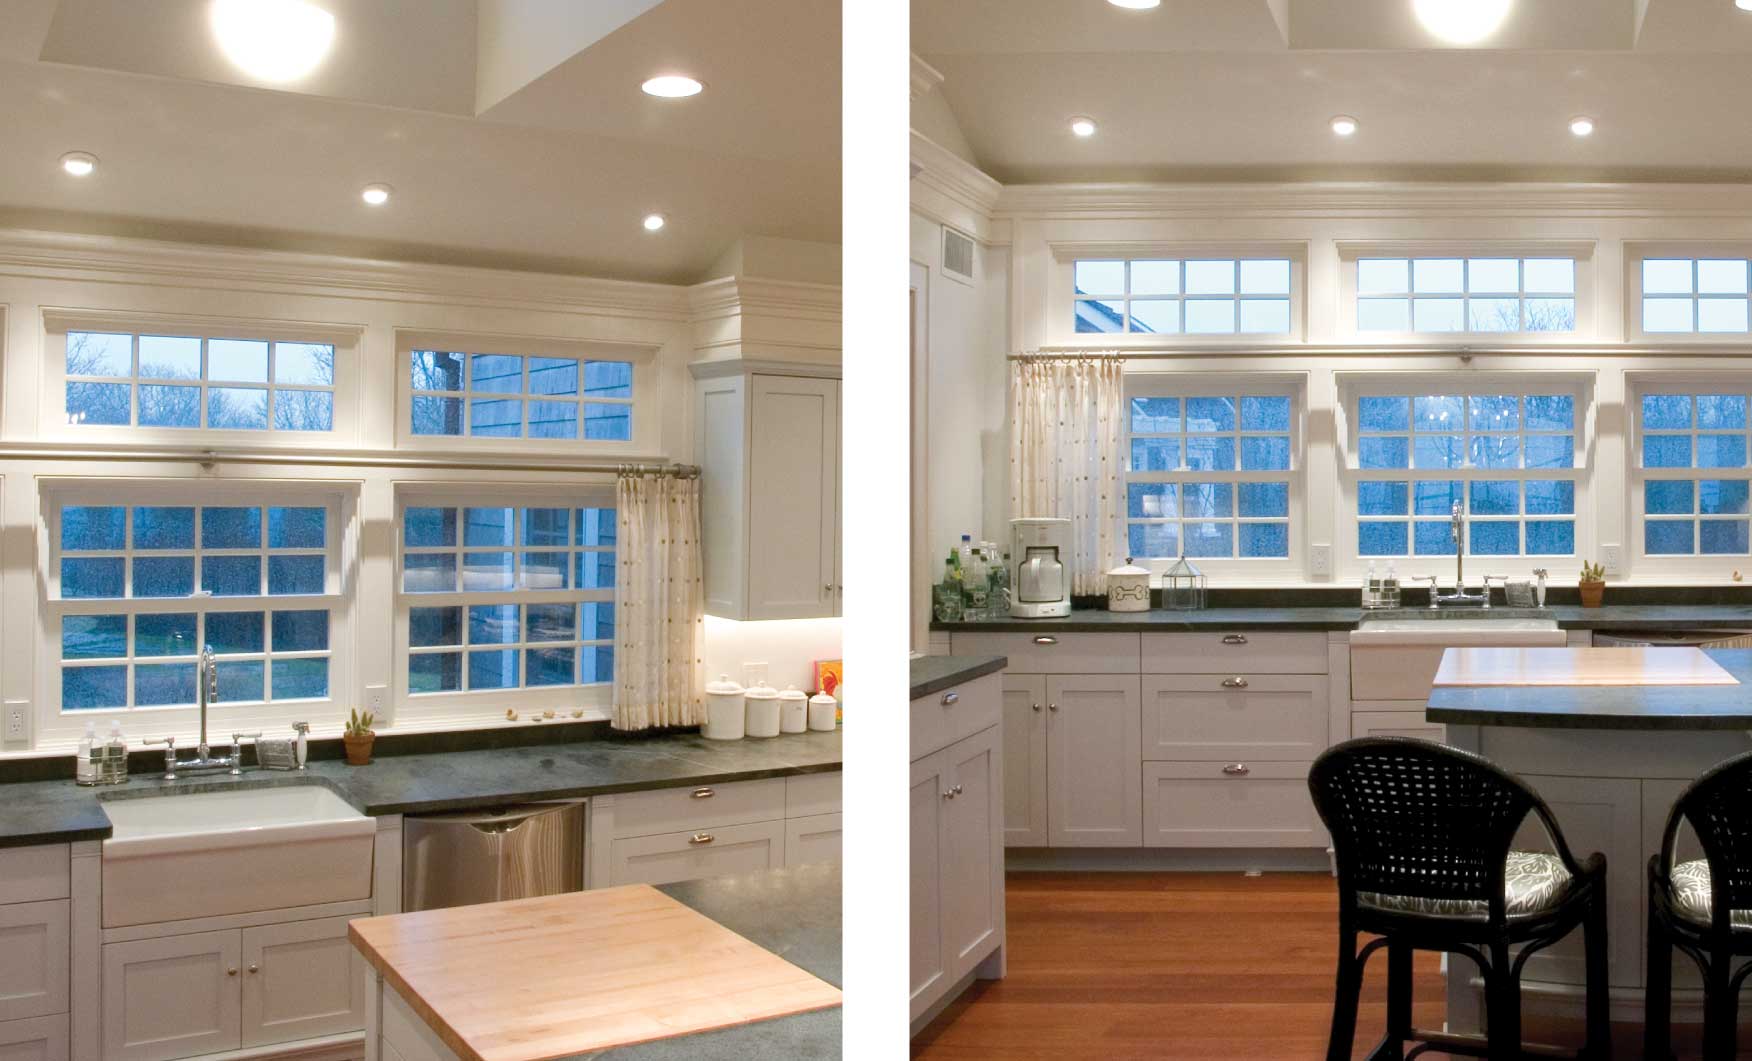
(1719, 1008)
(1346, 990)
(1398, 1001)
(1599, 1007)
(1658, 991)
(1502, 1005)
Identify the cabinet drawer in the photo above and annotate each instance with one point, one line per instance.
(34, 1039)
(812, 839)
(807, 794)
(942, 718)
(668, 810)
(1280, 717)
(672, 857)
(1199, 805)
(31, 874)
(34, 949)
(1234, 652)
(1047, 653)
(1396, 724)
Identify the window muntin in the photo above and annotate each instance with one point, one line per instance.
(120, 379)
(1466, 294)
(1698, 295)
(1209, 472)
(136, 590)
(491, 395)
(1226, 296)
(502, 597)
(1508, 459)
(1691, 461)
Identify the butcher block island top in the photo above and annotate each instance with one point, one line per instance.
(568, 975)
(1564, 688)
(1580, 666)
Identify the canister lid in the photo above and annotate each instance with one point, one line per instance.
(793, 693)
(823, 698)
(1129, 568)
(761, 691)
(724, 686)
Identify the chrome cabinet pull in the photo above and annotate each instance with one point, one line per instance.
(1234, 639)
(254, 968)
(951, 699)
(1237, 770)
(948, 794)
(1046, 639)
(704, 793)
(1052, 707)
(701, 838)
(231, 971)
(1036, 708)
(956, 791)
(1234, 683)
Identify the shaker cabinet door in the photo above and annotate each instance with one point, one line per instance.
(1024, 729)
(172, 997)
(1094, 761)
(927, 802)
(301, 980)
(793, 532)
(972, 856)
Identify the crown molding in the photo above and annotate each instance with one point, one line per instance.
(744, 366)
(948, 189)
(108, 259)
(925, 77)
(750, 295)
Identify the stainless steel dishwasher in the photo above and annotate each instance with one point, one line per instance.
(485, 856)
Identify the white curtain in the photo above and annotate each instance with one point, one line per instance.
(660, 603)
(1067, 432)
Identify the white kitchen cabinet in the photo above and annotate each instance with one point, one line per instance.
(35, 1039)
(175, 996)
(1094, 758)
(928, 976)
(300, 980)
(768, 448)
(1230, 805)
(1024, 731)
(33, 959)
(690, 855)
(1243, 717)
(815, 838)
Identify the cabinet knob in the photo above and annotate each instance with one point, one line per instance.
(254, 968)
(1052, 707)
(951, 699)
(1237, 770)
(231, 971)
(956, 791)
(1046, 639)
(701, 838)
(1234, 639)
(948, 794)
(704, 793)
(1234, 683)
(1036, 707)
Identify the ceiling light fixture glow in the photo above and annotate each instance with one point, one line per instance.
(1581, 125)
(79, 163)
(1461, 21)
(653, 222)
(1147, 5)
(272, 40)
(1743, 5)
(376, 194)
(1344, 125)
(1082, 126)
(673, 86)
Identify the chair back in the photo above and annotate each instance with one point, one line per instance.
(1409, 817)
(1719, 807)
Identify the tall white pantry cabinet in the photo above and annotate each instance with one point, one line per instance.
(768, 445)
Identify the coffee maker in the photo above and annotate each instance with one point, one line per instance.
(1040, 583)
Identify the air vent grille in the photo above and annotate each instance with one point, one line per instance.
(957, 255)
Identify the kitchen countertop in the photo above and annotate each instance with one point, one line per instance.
(932, 674)
(1569, 617)
(1621, 707)
(41, 812)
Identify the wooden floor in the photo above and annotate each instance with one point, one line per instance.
(1178, 965)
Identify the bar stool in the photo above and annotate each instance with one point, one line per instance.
(1422, 833)
(1703, 907)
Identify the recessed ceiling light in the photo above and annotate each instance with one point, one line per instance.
(1136, 5)
(1461, 21)
(1344, 125)
(1581, 125)
(272, 40)
(1743, 5)
(79, 163)
(673, 86)
(376, 194)
(653, 222)
(1083, 126)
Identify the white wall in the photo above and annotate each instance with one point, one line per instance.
(789, 647)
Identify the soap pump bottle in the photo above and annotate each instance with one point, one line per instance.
(115, 756)
(85, 771)
(1371, 588)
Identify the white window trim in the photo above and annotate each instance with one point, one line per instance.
(1582, 252)
(1635, 252)
(1141, 382)
(646, 406)
(56, 728)
(1062, 294)
(430, 710)
(1352, 386)
(52, 407)
(1700, 567)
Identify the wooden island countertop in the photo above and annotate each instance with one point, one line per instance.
(1582, 666)
(1560, 702)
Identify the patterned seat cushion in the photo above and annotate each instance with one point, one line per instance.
(1691, 895)
(1533, 883)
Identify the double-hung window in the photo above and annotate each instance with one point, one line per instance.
(1213, 470)
(1690, 474)
(1505, 456)
(498, 597)
(141, 578)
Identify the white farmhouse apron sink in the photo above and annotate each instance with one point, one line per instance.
(1395, 660)
(206, 854)
(1482, 630)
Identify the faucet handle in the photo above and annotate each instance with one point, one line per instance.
(238, 738)
(168, 742)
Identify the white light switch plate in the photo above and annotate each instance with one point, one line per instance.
(1612, 559)
(1320, 560)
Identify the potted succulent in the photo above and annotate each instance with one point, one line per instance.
(1592, 584)
(359, 737)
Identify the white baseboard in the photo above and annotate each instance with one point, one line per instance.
(1165, 860)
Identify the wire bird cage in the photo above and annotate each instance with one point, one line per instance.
(1183, 587)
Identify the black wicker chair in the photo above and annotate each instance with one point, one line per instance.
(1703, 908)
(1422, 836)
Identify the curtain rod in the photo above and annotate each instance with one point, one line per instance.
(1157, 353)
(342, 460)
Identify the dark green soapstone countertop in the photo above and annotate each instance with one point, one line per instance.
(40, 812)
(1620, 617)
(1615, 707)
(932, 674)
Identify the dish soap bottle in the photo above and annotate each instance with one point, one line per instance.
(85, 770)
(115, 756)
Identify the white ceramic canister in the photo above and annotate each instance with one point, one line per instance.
(724, 710)
(763, 711)
(793, 710)
(823, 713)
(1128, 588)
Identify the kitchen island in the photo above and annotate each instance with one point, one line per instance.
(1610, 758)
(791, 913)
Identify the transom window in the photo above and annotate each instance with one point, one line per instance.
(508, 598)
(1693, 472)
(1508, 460)
(516, 396)
(184, 381)
(1695, 295)
(1192, 297)
(1466, 294)
(1209, 474)
(137, 590)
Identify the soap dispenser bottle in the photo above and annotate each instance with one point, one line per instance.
(115, 756)
(86, 770)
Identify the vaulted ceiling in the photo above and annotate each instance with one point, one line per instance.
(513, 132)
(1245, 90)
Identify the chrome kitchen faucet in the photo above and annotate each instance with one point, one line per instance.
(1459, 598)
(206, 690)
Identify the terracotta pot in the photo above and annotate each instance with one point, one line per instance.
(1591, 593)
(358, 747)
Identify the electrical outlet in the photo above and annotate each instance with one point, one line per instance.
(377, 699)
(1612, 558)
(17, 722)
(1320, 560)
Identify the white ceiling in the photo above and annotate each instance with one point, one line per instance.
(1244, 90)
(555, 174)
